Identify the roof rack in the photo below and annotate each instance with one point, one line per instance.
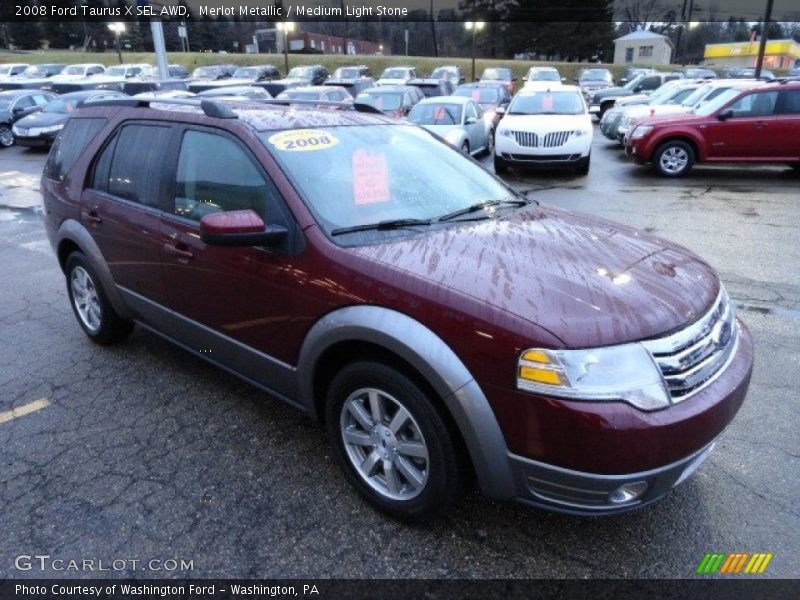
(219, 109)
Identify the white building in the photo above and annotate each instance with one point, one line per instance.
(643, 48)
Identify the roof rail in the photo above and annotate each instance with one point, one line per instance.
(219, 109)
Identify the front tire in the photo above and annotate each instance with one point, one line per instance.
(91, 306)
(6, 136)
(583, 167)
(465, 148)
(674, 158)
(391, 442)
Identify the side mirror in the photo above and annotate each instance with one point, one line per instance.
(470, 121)
(239, 228)
(563, 79)
(724, 115)
(500, 110)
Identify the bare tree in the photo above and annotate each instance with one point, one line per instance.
(641, 14)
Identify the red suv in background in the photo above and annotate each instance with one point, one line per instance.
(760, 125)
(438, 323)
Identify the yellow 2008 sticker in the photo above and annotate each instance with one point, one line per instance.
(303, 140)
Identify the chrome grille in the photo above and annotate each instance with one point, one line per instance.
(525, 138)
(692, 358)
(556, 139)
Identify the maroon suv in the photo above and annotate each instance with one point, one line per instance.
(757, 125)
(437, 323)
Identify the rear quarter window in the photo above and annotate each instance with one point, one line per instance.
(73, 139)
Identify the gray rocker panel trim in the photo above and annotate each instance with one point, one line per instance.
(436, 362)
(73, 231)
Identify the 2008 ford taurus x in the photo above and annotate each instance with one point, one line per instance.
(439, 324)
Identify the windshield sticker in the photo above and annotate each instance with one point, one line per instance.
(370, 177)
(547, 102)
(303, 140)
(476, 95)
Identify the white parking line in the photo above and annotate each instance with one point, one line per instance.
(23, 410)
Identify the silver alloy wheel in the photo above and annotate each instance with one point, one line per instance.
(85, 298)
(6, 137)
(384, 444)
(674, 159)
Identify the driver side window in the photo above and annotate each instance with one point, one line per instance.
(757, 104)
(215, 174)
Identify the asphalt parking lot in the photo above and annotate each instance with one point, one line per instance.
(141, 451)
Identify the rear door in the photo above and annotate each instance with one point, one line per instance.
(122, 204)
(786, 136)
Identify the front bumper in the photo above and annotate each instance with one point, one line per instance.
(542, 161)
(39, 141)
(579, 493)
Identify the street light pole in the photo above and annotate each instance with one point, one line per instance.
(117, 28)
(286, 27)
(473, 26)
(762, 46)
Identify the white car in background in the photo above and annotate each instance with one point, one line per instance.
(542, 78)
(458, 120)
(10, 70)
(549, 129)
(79, 71)
(397, 76)
(697, 98)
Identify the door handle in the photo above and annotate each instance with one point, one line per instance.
(91, 216)
(179, 249)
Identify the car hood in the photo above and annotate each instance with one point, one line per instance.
(218, 83)
(640, 112)
(42, 119)
(594, 85)
(391, 81)
(587, 281)
(442, 130)
(545, 123)
(611, 92)
(687, 118)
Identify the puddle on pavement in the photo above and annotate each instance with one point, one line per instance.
(791, 313)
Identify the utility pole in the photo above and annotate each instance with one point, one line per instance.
(762, 47)
(157, 30)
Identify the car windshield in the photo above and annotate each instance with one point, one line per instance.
(678, 96)
(301, 73)
(74, 70)
(497, 75)
(246, 73)
(34, 71)
(547, 103)
(207, 72)
(634, 82)
(697, 95)
(444, 73)
(381, 100)
(5, 70)
(115, 71)
(346, 73)
(395, 74)
(481, 95)
(436, 114)
(61, 105)
(595, 75)
(718, 102)
(544, 75)
(360, 175)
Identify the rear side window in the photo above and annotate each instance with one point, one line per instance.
(791, 102)
(129, 167)
(73, 139)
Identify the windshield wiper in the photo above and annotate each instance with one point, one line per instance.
(382, 226)
(482, 206)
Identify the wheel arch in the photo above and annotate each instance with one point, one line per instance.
(72, 236)
(681, 137)
(376, 332)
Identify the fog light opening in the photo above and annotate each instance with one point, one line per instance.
(628, 492)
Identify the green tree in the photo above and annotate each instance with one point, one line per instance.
(25, 35)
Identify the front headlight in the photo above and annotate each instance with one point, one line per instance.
(505, 132)
(51, 128)
(641, 131)
(624, 373)
(581, 132)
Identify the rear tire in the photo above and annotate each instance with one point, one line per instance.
(674, 158)
(391, 442)
(91, 306)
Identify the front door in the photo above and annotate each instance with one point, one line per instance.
(228, 296)
(746, 134)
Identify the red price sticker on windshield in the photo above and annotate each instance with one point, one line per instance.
(547, 102)
(370, 177)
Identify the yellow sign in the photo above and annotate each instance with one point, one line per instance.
(303, 140)
(776, 47)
